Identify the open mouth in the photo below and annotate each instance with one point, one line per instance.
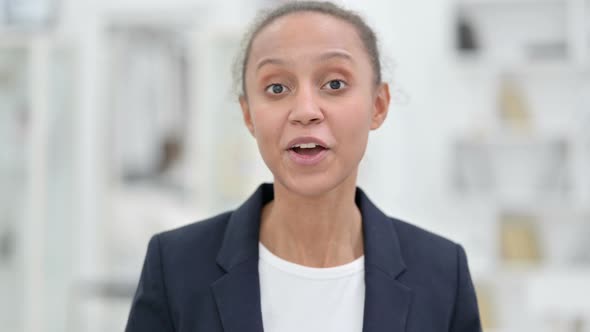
(309, 149)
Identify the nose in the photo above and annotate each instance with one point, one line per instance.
(305, 109)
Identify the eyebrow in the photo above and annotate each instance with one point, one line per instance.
(323, 57)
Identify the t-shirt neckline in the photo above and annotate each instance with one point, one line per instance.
(334, 272)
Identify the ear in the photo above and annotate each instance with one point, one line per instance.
(246, 114)
(380, 106)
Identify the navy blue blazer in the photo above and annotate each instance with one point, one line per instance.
(203, 277)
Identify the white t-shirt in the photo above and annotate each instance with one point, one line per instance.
(296, 298)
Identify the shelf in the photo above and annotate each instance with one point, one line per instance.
(510, 2)
(513, 169)
(528, 36)
(473, 63)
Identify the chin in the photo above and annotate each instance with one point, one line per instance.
(313, 182)
(314, 185)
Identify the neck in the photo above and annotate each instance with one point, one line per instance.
(319, 231)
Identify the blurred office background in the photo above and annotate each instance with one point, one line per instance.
(118, 120)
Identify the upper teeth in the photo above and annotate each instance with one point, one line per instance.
(306, 146)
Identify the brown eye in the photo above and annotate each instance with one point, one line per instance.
(276, 89)
(335, 85)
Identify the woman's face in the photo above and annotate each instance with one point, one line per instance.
(311, 101)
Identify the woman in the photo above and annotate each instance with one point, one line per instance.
(309, 252)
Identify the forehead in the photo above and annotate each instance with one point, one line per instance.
(306, 33)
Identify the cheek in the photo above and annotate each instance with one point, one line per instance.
(268, 126)
(353, 124)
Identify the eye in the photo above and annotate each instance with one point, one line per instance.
(276, 89)
(335, 85)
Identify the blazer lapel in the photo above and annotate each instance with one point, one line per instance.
(387, 300)
(387, 303)
(238, 299)
(237, 293)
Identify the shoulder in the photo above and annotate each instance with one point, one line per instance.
(425, 251)
(438, 272)
(192, 249)
(436, 267)
(202, 233)
(415, 237)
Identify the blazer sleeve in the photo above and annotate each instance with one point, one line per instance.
(465, 312)
(149, 309)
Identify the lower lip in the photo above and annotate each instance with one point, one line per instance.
(307, 160)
